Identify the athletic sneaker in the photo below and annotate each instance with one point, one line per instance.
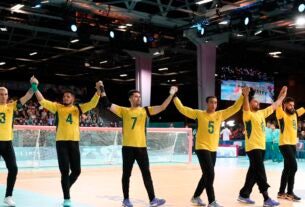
(67, 203)
(127, 203)
(9, 201)
(214, 204)
(245, 200)
(292, 197)
(270, 203)
(197, 201)
(156, 202)
(282, 195)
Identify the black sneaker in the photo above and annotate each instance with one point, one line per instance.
(292, 197)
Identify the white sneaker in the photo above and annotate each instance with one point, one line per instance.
(9, 201)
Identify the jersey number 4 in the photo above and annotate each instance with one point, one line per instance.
(2, 118)
(69, 119)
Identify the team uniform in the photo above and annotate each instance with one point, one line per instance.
(67, 138)
(135, 145)
(207, 139)
(6, 147)
(255, 126)
(288, 140)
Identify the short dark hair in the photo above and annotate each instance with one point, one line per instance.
(288, 99)
(133, 91)
(251, 94)
(69, 91)
(209, 97)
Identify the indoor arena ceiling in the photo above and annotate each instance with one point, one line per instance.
(37, 38)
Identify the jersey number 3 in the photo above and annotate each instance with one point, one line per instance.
(2, 118)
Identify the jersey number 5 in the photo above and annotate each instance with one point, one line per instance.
(2, 118)
(211, 127)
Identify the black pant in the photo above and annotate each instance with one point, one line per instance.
(290, 168)
(256, 173)
(8, 154)
(68, 158)
(130, 154)
(207, 160)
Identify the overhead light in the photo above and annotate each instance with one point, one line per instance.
(111, 34)
(37, 6)
(246, 21)
(156, 53)
(275, 53)
(3, 29)
(216, 74)
(45, 2)
(86, 64)
(17, 7)
(105, 61)
(33, 53)
(129, 25)
(202, 31)
(225, 22)
(73, 28)
(123, 75)
(122, 27)
(162, 69)
(301, 8)
(203, 2)
(2, 63)
(74, 41)
(239, 35)
(173, 80)
(275, 56)
(300, 21)
(258, 32)
(144, 39)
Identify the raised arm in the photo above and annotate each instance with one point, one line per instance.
(245, 92)
(106, 104)
(27, 96)
(157, 109)
(280, 98)
(226, 113)
(51, 106)
(186, 111)
(94, 101)
(300, 111)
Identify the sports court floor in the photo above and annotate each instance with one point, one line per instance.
(101, 186)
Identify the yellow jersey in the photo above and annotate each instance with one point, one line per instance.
(134, 125)
(6, 120)
(208, 133)
(67, 117)
(288, 125)
(255, 126)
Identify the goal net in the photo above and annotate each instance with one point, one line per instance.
(35, 146)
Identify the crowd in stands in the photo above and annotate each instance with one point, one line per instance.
(33, 114)
(238, 73)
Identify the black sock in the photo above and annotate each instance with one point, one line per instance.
(266, 196)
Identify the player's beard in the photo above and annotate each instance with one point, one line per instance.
(290, 111)
(67, 104)
(255, 108)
